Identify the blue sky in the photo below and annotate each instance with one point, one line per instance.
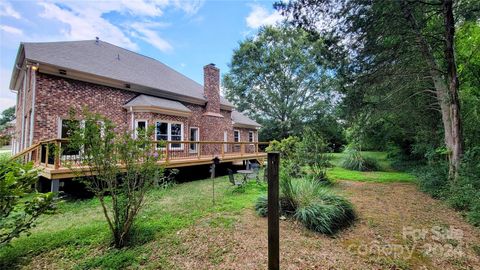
(185, 35)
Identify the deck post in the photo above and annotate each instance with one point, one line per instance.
(56, 162)
(166, 152)
(39, 150)
(273, 215)
(55, 185)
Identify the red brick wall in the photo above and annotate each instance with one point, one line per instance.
(211, 77)
(55, 96)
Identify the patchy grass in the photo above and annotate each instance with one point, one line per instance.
(386, 175)
(78, 237)
(180, 228)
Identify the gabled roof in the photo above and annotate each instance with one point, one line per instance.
(240, 120)
(109, 61)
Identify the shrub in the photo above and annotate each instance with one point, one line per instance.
(320, 209)
(433, 180)
(261, 206)
(312, 151)
(354, 160)
(288, 150)
(19, 205)
(286, 147)
(307, 201)
(103, 150)
(464, 194)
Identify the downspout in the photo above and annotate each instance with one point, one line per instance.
(33, 75)
(22, 137)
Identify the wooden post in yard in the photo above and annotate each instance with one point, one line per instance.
(273, 215)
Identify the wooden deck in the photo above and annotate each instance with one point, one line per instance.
(54, 166)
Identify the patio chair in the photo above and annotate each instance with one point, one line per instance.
(255, 167)
(231, 178)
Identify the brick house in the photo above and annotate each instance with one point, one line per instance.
(130, 89)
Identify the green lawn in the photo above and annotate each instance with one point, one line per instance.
(78, 237)
(388, 174)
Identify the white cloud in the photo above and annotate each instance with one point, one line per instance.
(7, 10)
(260, 16)
(7, 98)
(190, 7)
(88, 19)
(145, 32)
(11, 29)
(87, 23)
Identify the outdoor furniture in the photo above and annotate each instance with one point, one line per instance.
(245, 174)
(231, 178)
(255, 167)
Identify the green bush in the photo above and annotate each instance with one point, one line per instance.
(316, 207)
(312, 151)
(319, 209)
(20, 206)
(261, 206)
(464, 194)
(433, 180)
(354, 160)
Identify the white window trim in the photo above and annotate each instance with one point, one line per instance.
(136, 125)
(253, 136)
(59, 135)
(239, 135)
(169, 134)
(197, 139)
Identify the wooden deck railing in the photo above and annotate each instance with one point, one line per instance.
(55, 153)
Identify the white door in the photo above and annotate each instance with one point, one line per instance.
(225, 139)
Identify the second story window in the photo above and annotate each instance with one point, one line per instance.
(250, 136)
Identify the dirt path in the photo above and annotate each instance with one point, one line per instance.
(398, 228)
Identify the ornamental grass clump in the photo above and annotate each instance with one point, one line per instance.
(315, 206)
(354, 160)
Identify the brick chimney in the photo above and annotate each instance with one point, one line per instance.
(211, 88)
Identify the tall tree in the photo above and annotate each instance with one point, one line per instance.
(7, 116)
(275, 77)
(402, 39)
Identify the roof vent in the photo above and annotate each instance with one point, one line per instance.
(97, 39)
(62, 72)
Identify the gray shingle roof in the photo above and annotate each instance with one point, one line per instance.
(110, 61)
(149, 101)
(239, 118)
